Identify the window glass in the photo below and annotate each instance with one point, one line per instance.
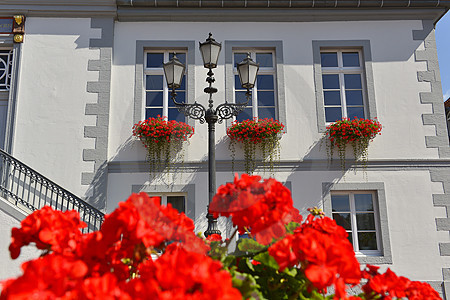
(352, 81)
(329, 59)
(330, 81)
(157, 95)
(265, 60)
(343, 91)
(263, 100)
(239, 57)
(154, 98)
(355, 212)
(332, 114)
(155, 60)
(340, 202)
(332, 97)
(353, 112)
(354, 97)
(350, 59)
(177, 202)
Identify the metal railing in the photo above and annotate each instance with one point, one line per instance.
(27, 189)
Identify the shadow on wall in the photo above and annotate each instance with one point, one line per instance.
(96, 193)
(308, 184)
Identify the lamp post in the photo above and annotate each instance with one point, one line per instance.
(174, 71)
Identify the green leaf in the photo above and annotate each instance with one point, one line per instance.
(250, 245)
(291, 227)
(247, 285)
(267, 260)
(291, 271)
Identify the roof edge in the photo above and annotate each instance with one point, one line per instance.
(364, 4)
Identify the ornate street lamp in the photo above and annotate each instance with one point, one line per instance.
(174, 71)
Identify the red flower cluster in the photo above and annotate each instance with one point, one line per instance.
(345, 131)
(255, 131)
(158, 130)
(115, 262)
(322, 249)
(48, 229)
(263, 208)
(389, 286)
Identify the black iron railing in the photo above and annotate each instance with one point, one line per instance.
(24, 187)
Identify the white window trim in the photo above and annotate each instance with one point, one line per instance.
(341, 71)
(262, 71)
(354, 230)
(280, 86)
(385, 256)
(160, 71)
(165, 195)
(364, 46)
(178, 46)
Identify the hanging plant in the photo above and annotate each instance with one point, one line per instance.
(263, 134)
(357, 132)
(163, 140)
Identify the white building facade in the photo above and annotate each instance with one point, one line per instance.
(86, 72)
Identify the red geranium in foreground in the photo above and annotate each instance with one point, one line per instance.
(148, 251)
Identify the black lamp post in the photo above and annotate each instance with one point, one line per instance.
(174, 71)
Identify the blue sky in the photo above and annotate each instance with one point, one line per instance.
(443, 49)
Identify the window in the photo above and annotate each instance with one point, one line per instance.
(268, 97)
(343, 85)
(361, 209)
(6, 63)
(181, 197)
(263, 102)
(6, 72)
(357, 213)
(177, 201)
(157, 96)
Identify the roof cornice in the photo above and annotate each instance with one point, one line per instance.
(330, 4)
(59, 8)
